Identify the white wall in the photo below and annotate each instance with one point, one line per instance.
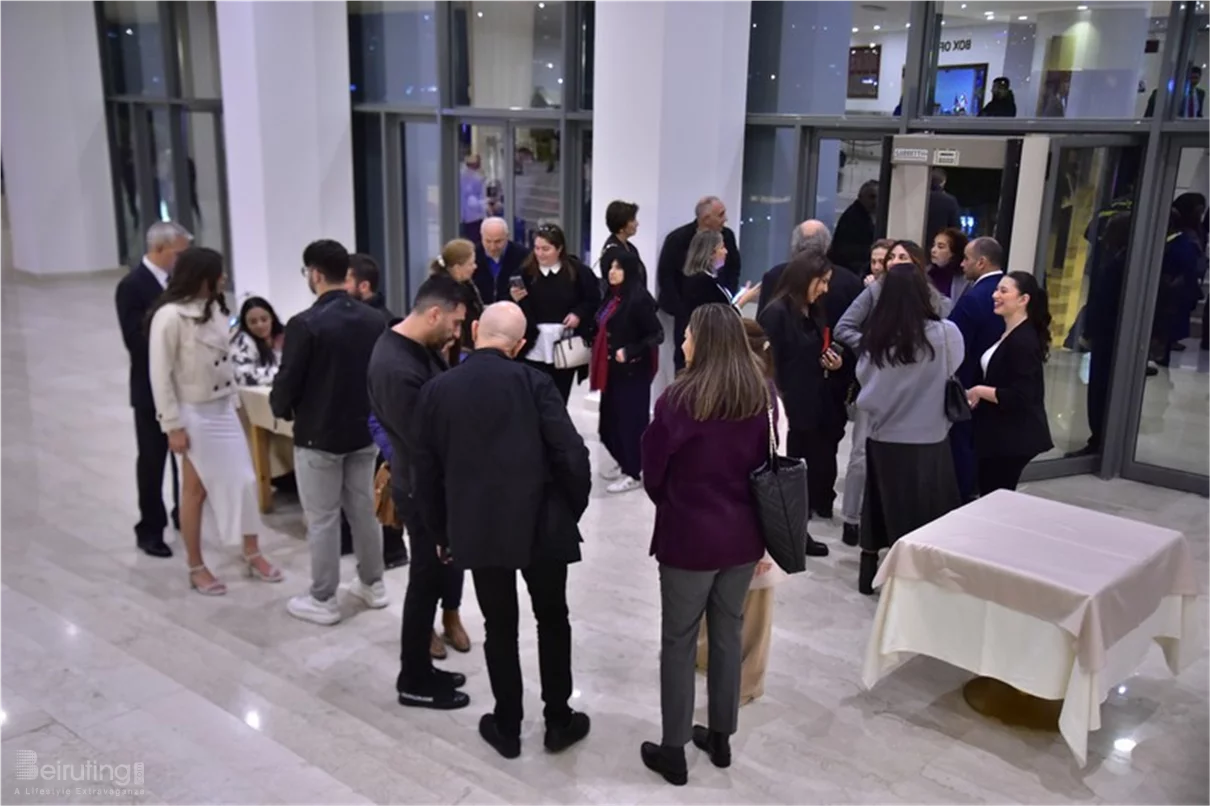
(55, 143)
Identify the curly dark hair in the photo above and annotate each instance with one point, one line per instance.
(198, 272)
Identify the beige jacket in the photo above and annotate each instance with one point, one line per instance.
(189, 360)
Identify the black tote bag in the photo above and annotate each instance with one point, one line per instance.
(779, 490)
(957, 407)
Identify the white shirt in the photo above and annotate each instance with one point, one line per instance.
(549, 270)
(987, 356)
(984, 277)
(159, 274)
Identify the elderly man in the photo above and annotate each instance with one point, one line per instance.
(502, 478)
(496, 260)
(855, 231)
(809, 236)
(136, 293)
(710, 214)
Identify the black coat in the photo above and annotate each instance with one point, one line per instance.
(496, 290)
(1005, 107)
(853, 238)
(135, 294)
(942, 213)
(635, 328)
(768, 287)
(699, 290)
(670, 273)
(612, 242)
(1017, 424)
(796, 342)
(321, 384)
(502, 475)
(379, 303)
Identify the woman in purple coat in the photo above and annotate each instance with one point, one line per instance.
(709, 432)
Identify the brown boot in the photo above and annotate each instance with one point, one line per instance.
(455, 634)
(437, 647)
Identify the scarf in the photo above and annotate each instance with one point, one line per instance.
(598, 372)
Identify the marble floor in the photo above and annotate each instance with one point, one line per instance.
(108, 658)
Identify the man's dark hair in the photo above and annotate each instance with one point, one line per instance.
(1193, 68)
(329, 258)
(440, 290)
(618, 214)
(990, 249)
(937, 177)
(365, 270)
(1002, 80)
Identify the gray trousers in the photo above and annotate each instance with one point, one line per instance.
(328, 483)
(854, 477)
(684, 597)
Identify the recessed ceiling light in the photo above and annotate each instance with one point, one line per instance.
(855, 30)
(1081, 8)
(480, 15)
(964, 5)
(1023, 18)
(877, 27)
(909, 25)
(943, 22)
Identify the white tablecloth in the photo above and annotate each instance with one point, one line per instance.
(953, 590)
(255, 401)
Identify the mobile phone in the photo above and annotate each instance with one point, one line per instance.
(517, 282)
(827, 339)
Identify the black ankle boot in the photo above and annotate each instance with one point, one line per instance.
(865, 577)
(714, 743)
(852, 534)
(667, 761)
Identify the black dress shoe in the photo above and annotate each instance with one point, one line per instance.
(815, 548)
(852, 534)
(825, 513)
(436, 696)
(867, 572)
(507, 746)
(717, 745)
(559, 738)
(396, 561)
(155, 548)
(449, 679)
(667, 761)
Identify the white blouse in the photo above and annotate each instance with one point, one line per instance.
(987, 356)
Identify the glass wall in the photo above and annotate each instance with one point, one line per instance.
(393, 53)
(508, 55)
(767, 214)
(422, 195)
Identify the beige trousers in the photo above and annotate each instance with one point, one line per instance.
(756, 637)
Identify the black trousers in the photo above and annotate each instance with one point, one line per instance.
(149, 472)
(496, 589)
(678, 338)
(1000, 472)
(962, 446)
(624, 416)
(426, 574)
(819, 448)
(564, 378)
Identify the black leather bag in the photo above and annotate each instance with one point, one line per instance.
(957, 407)
(779, 490)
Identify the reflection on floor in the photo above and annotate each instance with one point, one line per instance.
(107, 657)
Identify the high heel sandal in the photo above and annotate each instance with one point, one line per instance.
(214, 587)
(274, 575)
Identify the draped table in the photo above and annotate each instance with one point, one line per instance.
(255, 402)
(1058, 602)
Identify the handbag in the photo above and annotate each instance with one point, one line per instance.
(572, 351)
(957, 407)
(384, 504)
(779, 491)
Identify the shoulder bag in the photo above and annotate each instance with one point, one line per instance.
(779, 492)
(957, 407)
(572, 351)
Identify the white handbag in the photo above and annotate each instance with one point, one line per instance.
(572, 351)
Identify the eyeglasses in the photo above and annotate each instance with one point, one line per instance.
(303, 271)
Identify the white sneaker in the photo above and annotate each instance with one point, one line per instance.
(374, 596)
(611, 473)
(308, 608)
(624, 485)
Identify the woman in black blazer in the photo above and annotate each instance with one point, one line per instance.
(1010, 421)
(624, 360)
(707, 255)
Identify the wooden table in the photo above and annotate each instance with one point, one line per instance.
(255, 402)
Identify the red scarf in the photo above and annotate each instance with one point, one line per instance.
(598, 369)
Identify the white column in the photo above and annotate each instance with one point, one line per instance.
(55, 144)
(668, 118)
(288, 136)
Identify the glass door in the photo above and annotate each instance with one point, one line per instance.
(846, 178)
(411, 210)
(537, 164)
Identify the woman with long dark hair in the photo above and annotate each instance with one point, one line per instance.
(1010, 421)
(193, 383)
(559, 295)
(909, 354)
(257, 343)
(949, 246)
(624, 360)
(796, 325)
(710, 431)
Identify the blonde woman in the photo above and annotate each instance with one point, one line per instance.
(457, 260)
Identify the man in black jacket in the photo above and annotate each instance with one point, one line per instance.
(405, 358)
(497, 259)
(364, 283)
(855, 231)
(943, 211)
(1003, 104)
(502, 478)
(710, 213)
(135, 295)
(810, 236)
(321, 387)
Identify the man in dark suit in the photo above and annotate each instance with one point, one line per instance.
(496, 260)
(502, 478)
(943, 208)
(135, 295)
(1191, 103)
(855, 231)
(710, 213)
(974, 314)
(809, 236)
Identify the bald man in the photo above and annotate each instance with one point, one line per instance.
(503, 477)
(497, 260)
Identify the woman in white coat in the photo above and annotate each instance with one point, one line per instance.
(193, 383)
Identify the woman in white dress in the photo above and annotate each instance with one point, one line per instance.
(193, 383)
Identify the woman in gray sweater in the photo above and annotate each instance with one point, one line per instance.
(909, 354)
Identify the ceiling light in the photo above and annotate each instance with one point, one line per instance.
(1022, 18)
(964, 5)
(943, 22)
(855, 30)
(560, 81)
(1081, 8)
(550, 66)
(541, 5)
(773, 76)
(877, 27)
(129, 32)
(480, 15)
